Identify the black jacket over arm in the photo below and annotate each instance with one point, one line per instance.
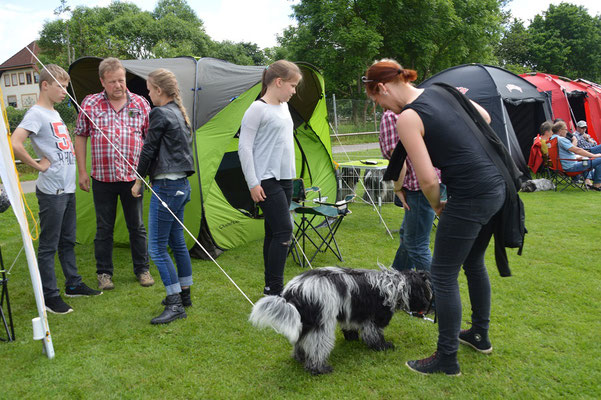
(167, 147)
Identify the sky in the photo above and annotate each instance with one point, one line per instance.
(21, 22)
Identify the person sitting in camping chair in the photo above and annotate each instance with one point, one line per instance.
(584, 140)
(539, 153)
(571, 155)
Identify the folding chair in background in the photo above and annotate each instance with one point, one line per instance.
(314, 218)
(537, 161)
(564, 178)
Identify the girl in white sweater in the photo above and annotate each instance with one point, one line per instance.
(266, 151)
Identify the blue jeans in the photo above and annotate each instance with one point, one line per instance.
(414, 248)
(57, 234)
(163, 229)
(463, 233)
(594, 175)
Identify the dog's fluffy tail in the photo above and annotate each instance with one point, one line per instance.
(277, 313)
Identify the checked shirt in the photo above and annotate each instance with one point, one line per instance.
(126, 129)
(388, 141)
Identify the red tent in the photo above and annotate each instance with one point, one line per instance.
(592, 107)
(577, 97)
(559, 101)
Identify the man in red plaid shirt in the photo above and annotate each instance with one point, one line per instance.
(414, 248)
(116, 120)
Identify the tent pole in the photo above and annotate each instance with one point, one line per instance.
(504, 112)
(335, 114)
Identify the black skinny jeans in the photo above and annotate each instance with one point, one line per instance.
(462, 236)
(278, 230)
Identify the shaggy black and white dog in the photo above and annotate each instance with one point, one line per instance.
(362, 301)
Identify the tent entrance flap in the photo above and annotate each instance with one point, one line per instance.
(577, 106)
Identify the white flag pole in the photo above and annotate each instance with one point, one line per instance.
(11, 186)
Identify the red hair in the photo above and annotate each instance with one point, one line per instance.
(385, 71)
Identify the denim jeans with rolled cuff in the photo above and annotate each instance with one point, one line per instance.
(164, 230)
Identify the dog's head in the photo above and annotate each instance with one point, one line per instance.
(420, 290)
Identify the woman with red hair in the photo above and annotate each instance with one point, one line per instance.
(435, 133)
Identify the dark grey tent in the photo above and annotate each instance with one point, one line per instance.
(516, 107)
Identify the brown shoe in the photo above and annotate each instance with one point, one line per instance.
(105, 282)
(145, 279)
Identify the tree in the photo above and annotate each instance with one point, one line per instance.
(179, 9)
(432, 35)
(336, 35)
(513, 52)
(123, 30)
(566, 41)
(345, 36)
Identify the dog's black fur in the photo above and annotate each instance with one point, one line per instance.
(362, 301)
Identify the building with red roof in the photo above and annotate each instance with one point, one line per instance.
(19, 77)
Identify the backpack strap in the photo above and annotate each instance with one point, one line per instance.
(484, 134)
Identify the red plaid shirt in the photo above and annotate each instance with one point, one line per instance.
(389, 138)
(126, 129)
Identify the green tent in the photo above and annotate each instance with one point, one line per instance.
(216, 94)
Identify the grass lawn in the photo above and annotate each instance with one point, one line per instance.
(544, 329)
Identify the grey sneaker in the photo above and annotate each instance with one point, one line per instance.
(145, 279)
(105, 282)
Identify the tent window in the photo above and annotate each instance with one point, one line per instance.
(231, 181)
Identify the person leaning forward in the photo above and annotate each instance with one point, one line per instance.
(120, 117)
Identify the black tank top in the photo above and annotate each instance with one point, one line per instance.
(465, 167)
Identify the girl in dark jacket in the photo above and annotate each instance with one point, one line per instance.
(166, 156)
(436, 135)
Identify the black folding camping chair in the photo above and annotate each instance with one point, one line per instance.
(313, 218)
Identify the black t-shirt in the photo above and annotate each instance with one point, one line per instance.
(465, 167)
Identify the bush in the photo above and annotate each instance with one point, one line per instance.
(14, 117)
(66, 110)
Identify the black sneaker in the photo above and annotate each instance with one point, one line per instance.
(81, 290)
(475, 340)
(267, 291)
(436, 363)
(56, 305)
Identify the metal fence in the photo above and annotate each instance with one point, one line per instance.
(352, 116)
